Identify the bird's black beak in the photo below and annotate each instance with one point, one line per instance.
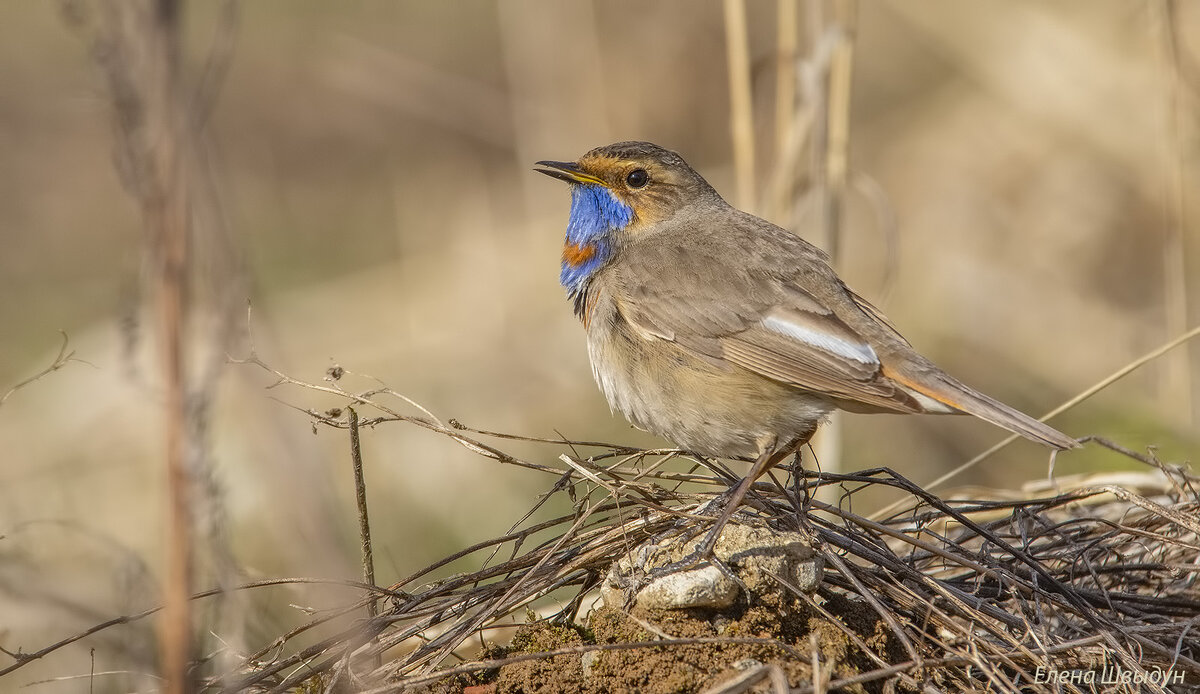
(567, 171)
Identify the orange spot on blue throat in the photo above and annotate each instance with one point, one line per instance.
(596, 214)
(577, 255)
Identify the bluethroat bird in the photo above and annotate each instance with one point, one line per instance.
(725, 334)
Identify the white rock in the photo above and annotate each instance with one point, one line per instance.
(703, 586)
(756, 554)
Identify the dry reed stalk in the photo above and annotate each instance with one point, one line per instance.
(1178, 380)
(164, 167)
(779, 203)
(741, 102)
(144, 78)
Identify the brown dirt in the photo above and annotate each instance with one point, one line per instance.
(686, 668)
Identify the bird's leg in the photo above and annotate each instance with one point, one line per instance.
(769, 456)
(771, 453)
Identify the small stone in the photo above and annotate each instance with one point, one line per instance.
(759, 556)
(704, 586)
(612, 596)
(807, 574)
(588, 662)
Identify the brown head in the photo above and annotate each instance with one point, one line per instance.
(655, 183)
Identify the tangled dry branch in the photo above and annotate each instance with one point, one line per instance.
(977, 592)
(987, 591)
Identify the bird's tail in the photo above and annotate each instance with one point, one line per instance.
(945, 389)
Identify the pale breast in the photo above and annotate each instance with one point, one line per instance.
(702, 405)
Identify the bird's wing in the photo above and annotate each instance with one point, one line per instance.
(757, 314)
(751, 295)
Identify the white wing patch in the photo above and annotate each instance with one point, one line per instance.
(833, 344)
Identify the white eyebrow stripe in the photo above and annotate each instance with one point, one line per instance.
(858, 351)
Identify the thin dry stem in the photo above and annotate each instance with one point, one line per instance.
(63, 358)
(364, 523)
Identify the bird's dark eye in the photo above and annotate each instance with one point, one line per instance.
(638, 178)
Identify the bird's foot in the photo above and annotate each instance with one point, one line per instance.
(703, 554)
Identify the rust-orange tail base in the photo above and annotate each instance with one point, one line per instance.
(950, 392)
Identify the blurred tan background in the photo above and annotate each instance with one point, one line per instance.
(373, 159)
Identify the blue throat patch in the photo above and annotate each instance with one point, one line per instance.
(595, 214)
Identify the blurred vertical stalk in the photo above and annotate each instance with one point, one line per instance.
(816, 88)
(786, 51)
(831, 124)
(138, 46)
(194, 281)
(741, 104)
(166, 216)
(841, 69)
(1177, 372)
